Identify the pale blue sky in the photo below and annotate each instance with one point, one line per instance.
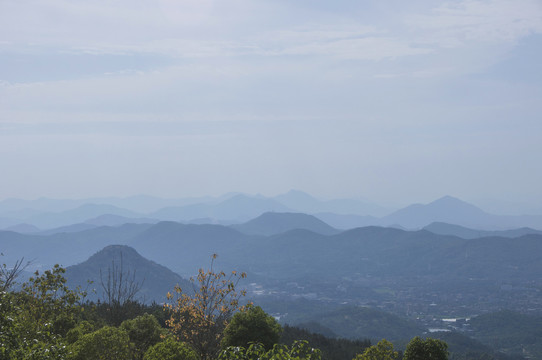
(394, 101)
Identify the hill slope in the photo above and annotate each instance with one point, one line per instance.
(365, 323)
(155, 280)
(467, 233)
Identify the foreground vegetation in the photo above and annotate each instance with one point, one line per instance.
(44, 319)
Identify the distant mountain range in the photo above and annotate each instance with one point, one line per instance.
(238, 208)
(298, 257)
(42, 215)
(345, 222)
(373, 251)
(303, 202)
(454, 211)
(299, 248)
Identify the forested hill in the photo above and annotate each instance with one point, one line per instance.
(152, 280)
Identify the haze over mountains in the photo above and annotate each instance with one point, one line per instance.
(326, 265)
(309, 249)
(46, 214)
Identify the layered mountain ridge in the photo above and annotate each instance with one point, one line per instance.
(239, 208)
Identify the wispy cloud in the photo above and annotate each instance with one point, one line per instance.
(365, 90)
(454, 24)
(206, 29)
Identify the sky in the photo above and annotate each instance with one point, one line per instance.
(392, 101)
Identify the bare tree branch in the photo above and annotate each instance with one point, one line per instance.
(120, 286)
(9, 275)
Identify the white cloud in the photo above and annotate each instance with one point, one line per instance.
(213, 29)
(453, 24)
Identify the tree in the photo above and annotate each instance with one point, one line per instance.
(428, 349)
(107, 343)
(381, 351)
(200, 319)
(169, 349)
(36, 319)
(332, 348)
(253, 325)
(119, 291)
(144, 332)
(82, 328)
(300, 350)
(8, 337)
(9, 275)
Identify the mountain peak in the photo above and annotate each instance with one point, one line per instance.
(112, 251)
(271, 223)
(155, 280)
(298, 193)
(295, 194)
(449, 200)
(447, 209)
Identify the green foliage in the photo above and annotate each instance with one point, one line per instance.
(84, 327)
(48, 303)
(8, 310)
(35, 319)
(107, 343)
(253, 325)
(300, 350)
(170, 349)
(144, 332)
(428, 349)
(331, 348)
(104, 313)
(381, 351)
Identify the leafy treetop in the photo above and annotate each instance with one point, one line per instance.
(200, 319)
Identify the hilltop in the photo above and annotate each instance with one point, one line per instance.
(154, 280)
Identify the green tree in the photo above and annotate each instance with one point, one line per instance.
(300, 350)
(169, 349)
(253, 325)
(381, 351)
(144, 332)
(36, 319)
(428, 349)
(82, 328)
(8, 338)
(200, 319)
(107, 343)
